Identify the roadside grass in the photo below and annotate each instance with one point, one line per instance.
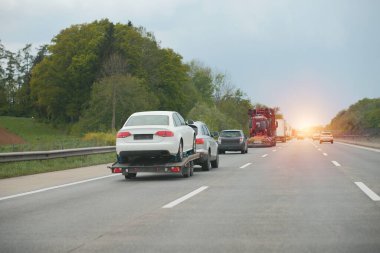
(15, 169)
(40, 136)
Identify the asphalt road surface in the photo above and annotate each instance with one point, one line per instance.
(297, 197)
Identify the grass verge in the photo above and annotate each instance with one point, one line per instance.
(15, 169)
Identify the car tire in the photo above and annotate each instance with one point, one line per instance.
(320, 142)
(332, 142)
(242, 151)
(206, 165)
(215, 163)
(246, 151)
(179, 156)
(130, 175)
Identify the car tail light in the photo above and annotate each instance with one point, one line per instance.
(199, 141)
(175, 169)
(123, 134)
(117, 170)
(165, 133)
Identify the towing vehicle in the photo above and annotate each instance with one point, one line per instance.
(162, 165)
(262, 127)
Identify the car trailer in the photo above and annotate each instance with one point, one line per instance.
(156, 165)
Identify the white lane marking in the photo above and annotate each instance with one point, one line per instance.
(55, 187)
(264, 155)
(187, 196)
(357, 146)
(325, 154)
(368, 191)
(274, 150)
(245, 165)
(336, 163)
(319, 149)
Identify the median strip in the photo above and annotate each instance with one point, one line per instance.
(368, 191)
(187, 196)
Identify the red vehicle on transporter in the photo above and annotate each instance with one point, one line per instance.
(262, 127)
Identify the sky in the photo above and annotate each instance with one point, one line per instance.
(311, 58)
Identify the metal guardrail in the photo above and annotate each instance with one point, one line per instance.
(51, 154)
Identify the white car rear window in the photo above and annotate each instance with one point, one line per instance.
(144, 120)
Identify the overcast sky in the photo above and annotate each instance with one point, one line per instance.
(312, 58)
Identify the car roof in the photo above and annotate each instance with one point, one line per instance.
(231, 130)
(168, 113)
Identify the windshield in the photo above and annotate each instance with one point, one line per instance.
(230, 134)
(143, 120)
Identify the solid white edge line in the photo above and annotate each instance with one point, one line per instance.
(55, 187)
(357, 146)
(368, 191)
(245, 165)
(187, 196)
(264, 155)
(336, 163)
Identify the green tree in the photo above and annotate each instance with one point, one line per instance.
(113, 100)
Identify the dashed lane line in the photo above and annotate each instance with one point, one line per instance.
(187, 196)
(336, 163)
(325, 154)
(368, 191)
(245, 165)
(264, 155)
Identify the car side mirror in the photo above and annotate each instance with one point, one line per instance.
(195, 128)
(215, 134)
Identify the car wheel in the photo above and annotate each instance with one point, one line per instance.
(320, 142)
(332, 142)
(246, 151)
(242, 151)
(215, 163)
(194, 145)
(130, 175)
(206, 165)
(180, 152)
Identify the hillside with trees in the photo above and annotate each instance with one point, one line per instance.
(92, 76)
(362, 117)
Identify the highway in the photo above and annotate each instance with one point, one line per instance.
(300, 196)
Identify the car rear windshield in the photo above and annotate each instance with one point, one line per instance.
(230, 134)
(325, 133)
(144, 120)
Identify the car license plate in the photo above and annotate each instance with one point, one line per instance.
(143, 136)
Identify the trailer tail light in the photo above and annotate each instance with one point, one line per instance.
(199, 141)
(165, 133)
(175, 169)
(117, 170)
(123, 134)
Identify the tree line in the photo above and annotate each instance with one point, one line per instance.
(362, 117)
(92, 76)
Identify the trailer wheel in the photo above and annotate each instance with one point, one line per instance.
(130, 175)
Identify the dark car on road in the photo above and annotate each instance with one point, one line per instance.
(232, 140)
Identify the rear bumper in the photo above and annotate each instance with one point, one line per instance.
(231, 147)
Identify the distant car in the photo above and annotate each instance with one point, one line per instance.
(155, 134)
(326, 137)
(315, 137)
(300, 135)
(232, 140)
(206, 145)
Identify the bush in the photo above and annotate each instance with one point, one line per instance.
(100, 138)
